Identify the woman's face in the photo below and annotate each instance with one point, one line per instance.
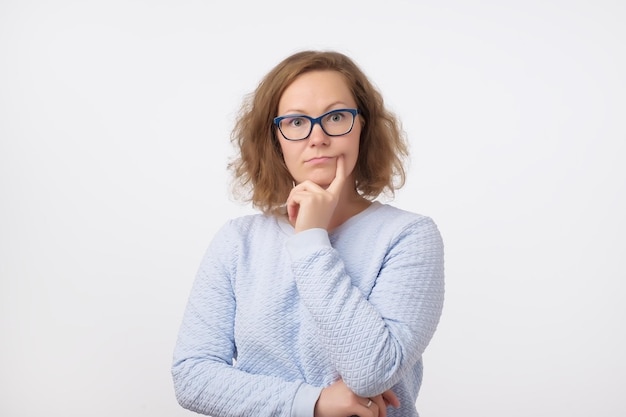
(315, 158)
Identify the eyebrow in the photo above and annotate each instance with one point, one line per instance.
(326, 109)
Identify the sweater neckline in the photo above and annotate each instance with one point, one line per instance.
(288, 229)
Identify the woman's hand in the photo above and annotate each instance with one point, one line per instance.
(387, 398)
(311, 206)
(337, 400)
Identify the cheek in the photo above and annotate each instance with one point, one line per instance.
(353, 160)
(352, 152)
(289, 153)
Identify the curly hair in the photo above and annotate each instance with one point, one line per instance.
(260, 175)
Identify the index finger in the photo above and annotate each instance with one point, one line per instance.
(340, 176)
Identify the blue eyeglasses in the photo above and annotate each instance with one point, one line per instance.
(337, 122)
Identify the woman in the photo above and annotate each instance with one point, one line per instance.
(323, 303)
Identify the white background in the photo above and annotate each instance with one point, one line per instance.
(114, 136)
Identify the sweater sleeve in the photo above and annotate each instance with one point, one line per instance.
(205, 378)
(375, 339)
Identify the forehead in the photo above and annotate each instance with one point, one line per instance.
(316, 90)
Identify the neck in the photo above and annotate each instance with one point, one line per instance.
(350, 204)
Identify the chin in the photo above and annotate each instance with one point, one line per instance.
(322, 181)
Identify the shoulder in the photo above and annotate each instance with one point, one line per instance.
(245, 227)
(392, 228)
(414, 234)
(248, 221)
(237, 236)
(403, 228)
(394, 219)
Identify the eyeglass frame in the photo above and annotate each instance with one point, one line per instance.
(316, 121)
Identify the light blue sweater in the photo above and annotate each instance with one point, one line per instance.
(274, 316)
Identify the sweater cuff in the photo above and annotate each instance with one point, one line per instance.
(307, 242)
(304, 401)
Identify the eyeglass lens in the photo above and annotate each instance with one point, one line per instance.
(335, 123)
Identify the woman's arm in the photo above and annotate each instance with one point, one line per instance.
(373, 340)
(205, 380)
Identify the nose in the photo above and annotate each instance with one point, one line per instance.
(318, 136)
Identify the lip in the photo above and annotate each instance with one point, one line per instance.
(318, 160)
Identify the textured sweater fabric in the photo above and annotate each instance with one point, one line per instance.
(274, 316)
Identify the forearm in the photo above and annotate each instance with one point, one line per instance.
(372, 338)
(220, 390)
(352, 331)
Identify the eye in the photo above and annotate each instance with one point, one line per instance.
(336, 117)
(296, 121)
